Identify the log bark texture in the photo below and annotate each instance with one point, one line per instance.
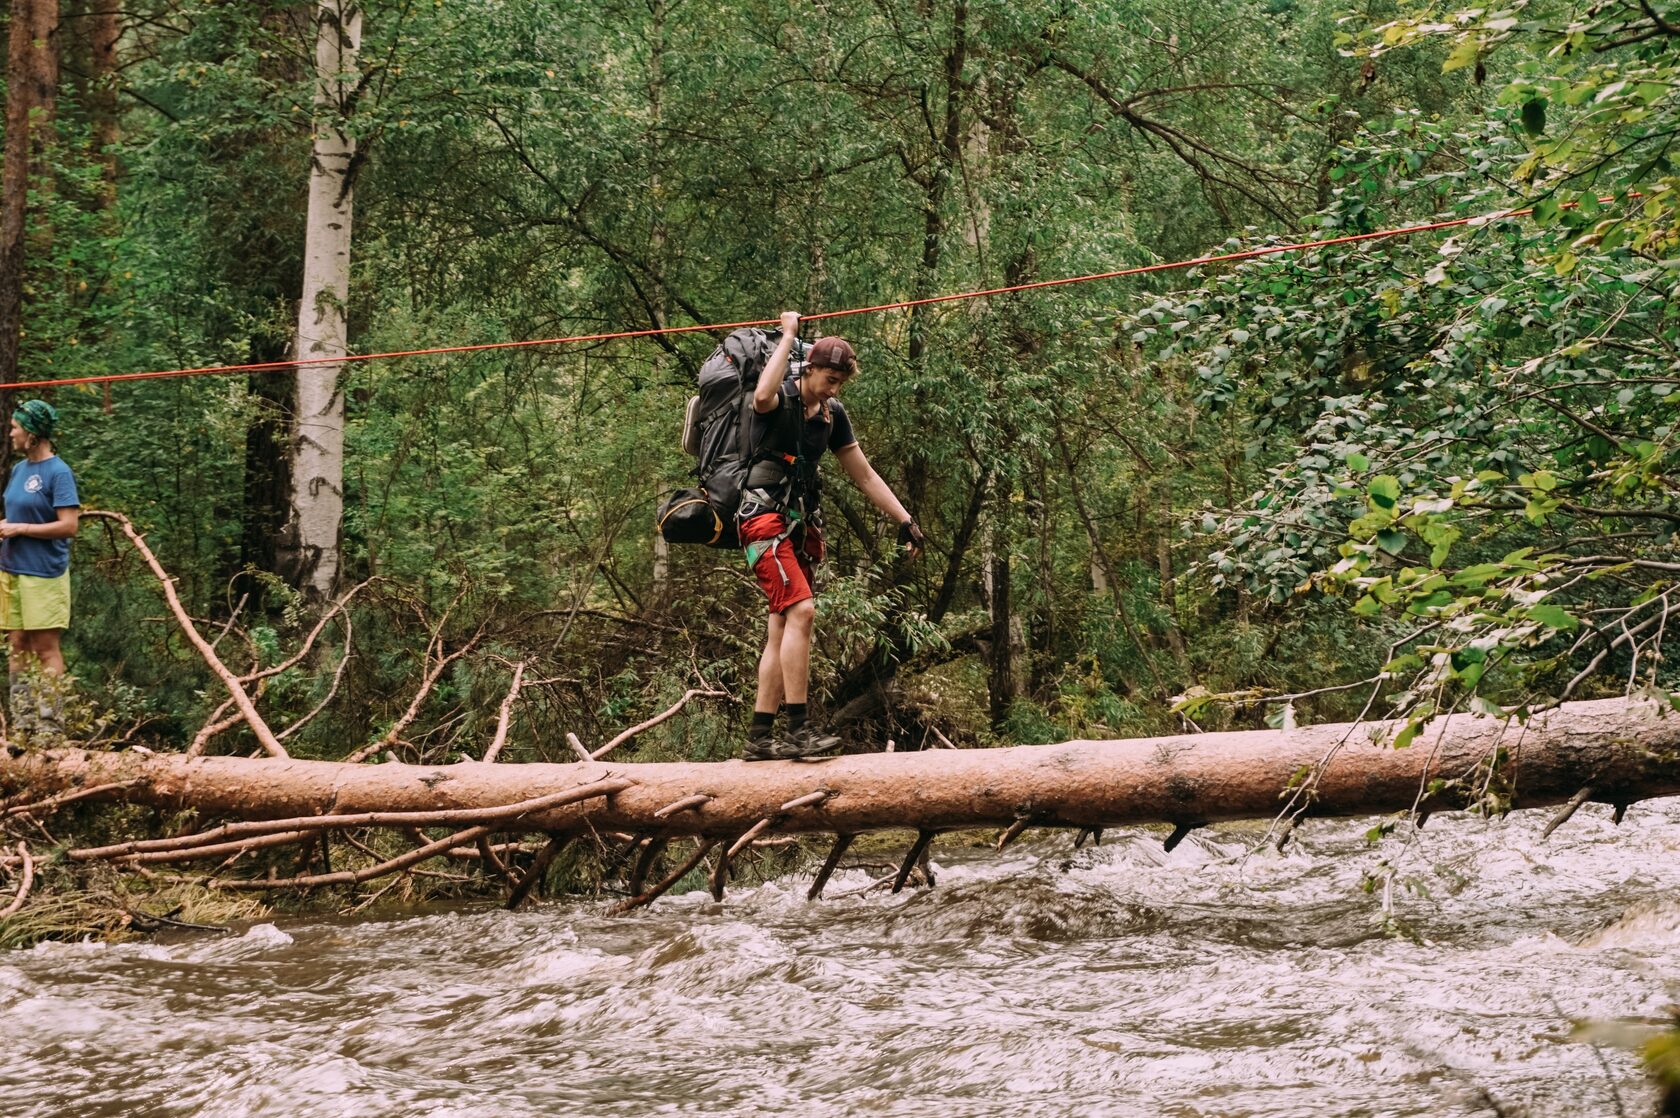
(1624, 751)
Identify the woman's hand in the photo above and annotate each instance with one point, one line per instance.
(10, 528)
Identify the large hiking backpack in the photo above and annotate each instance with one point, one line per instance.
(718, 431)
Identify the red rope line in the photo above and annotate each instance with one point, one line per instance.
(1224, 258)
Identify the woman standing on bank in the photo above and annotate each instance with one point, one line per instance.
(42, 513)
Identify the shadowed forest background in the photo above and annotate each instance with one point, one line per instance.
(1421, 475)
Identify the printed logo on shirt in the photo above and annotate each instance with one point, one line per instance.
(33, 485)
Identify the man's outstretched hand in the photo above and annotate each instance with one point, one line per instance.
(910, 537)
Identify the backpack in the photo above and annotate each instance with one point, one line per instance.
(718, 431)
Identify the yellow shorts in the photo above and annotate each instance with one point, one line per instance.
(28, 602)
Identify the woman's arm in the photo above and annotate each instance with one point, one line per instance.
(69, 519)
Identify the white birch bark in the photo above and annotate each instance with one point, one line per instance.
(310, 546)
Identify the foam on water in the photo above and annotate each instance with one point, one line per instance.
(1223, 979)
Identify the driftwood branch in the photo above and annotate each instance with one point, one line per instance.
(217, 849)
(651, 849)
(352, 877)
(917, 849)
(1567, 811)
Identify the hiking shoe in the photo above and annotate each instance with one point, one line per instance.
(766, 747)
(811, 742)
(803, 742)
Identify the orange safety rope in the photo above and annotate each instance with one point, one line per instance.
(1225, 258)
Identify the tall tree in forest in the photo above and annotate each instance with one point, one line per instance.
(31, 91)
(309, 553)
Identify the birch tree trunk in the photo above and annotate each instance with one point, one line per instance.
(309, 551)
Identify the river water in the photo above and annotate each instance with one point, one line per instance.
(1118, 980)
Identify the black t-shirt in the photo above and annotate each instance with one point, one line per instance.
(829, 429)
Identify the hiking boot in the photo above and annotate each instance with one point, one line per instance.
(803, 742)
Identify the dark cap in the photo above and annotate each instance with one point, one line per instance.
(832, 353)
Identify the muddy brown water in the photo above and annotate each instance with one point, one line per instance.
(1113, 981)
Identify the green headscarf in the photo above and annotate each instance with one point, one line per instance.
(37, 417)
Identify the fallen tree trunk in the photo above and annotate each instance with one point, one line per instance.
(1612, 751)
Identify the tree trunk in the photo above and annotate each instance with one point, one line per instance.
(104, 33)
(658, 236)
(1007, 639)
(31, 93)
(936, 188)
(1615, 750)
(310, 547)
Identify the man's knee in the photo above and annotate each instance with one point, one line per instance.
(801, 614)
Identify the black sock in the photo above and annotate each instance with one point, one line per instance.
(762, 722)
(796, 715)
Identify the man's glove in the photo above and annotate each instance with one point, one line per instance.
(910, 536)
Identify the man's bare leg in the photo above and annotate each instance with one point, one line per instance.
(796, 650)
(770, 668)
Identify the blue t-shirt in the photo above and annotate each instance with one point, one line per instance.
(34, 494)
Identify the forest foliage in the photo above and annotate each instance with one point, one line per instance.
(1426, 474)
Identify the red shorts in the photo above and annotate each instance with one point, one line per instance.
(783, 573)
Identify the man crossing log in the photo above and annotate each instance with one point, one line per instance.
(798, 417)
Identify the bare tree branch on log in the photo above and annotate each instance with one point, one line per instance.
(394, 734)
(508, 812)
(216, 723)
(505, 715)
(265, 736)
(656, 720)
(27, 880)
(665, 884)
(53, 803)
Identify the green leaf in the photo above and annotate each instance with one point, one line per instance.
(1555, 617)
(1358, 463)
(1534, 116)
(1466, 53)
(1392, 540)
(1432, 601)
(1384, 490)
